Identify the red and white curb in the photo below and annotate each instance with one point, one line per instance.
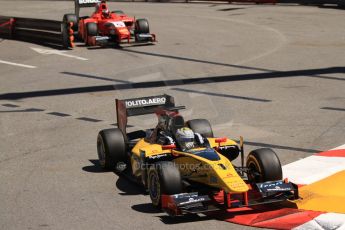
(313, 169)
(307, 171)
(316, 167)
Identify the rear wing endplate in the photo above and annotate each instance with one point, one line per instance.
(84, 3)
(141, 106)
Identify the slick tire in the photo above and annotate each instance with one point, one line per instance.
(91, 29)
(142, 26)
(65, 28)
(111, 148)
(264, 165)
(163, 178)
(201, 126)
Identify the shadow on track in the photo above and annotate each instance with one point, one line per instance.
(221, 95)
(146, 208)
(128, 187)
(177, 82)
(94, 168)
(193, 60)
(22, 110)
(125, 184)
(187, 218)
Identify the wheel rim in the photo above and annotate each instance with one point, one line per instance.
(154, 188)
(254, 172)
(101, 151)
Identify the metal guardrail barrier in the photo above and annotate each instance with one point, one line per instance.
(301, 2)
(38, 24)
(37, 30)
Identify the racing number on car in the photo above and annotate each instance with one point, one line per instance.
(119, 24)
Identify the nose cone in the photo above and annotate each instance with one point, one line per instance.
(235, 185)
(231, 181)
(124, 33)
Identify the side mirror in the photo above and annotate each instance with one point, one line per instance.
(221, 140)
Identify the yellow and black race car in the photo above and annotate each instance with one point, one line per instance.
(183, 166)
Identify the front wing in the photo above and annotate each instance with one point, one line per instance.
(260, 194)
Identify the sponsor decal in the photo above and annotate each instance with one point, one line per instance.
(192, 200)
(229, 175)
(226, 147)
(157, 156)
(119, 24)
(184, 195)
(270, 185)
(277, 188)
(88, 1)
(274, 186)
(145, 102)
(236, 185)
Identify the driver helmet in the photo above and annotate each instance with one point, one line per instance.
(185, 138)
(105, 13)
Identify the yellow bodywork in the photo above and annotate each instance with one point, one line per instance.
(219, 173)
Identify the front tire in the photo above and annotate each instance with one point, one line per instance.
(111, 148)
(91, 30)
(142, 26)
(163, 178)
(264, 165)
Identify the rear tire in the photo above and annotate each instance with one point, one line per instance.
(111, 148)
(264, 165)
(201, 126)
(65, 29)
(163, 178)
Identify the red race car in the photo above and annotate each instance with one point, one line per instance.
(103, 26)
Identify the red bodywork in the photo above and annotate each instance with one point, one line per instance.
(117, 26)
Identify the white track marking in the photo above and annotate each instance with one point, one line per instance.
(339, 147)
(17, 64)
(282, 39)
(57, 52)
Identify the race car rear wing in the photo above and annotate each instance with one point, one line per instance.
(140, 106)
(84, 3)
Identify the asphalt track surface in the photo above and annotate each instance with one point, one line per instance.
(274, 74)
